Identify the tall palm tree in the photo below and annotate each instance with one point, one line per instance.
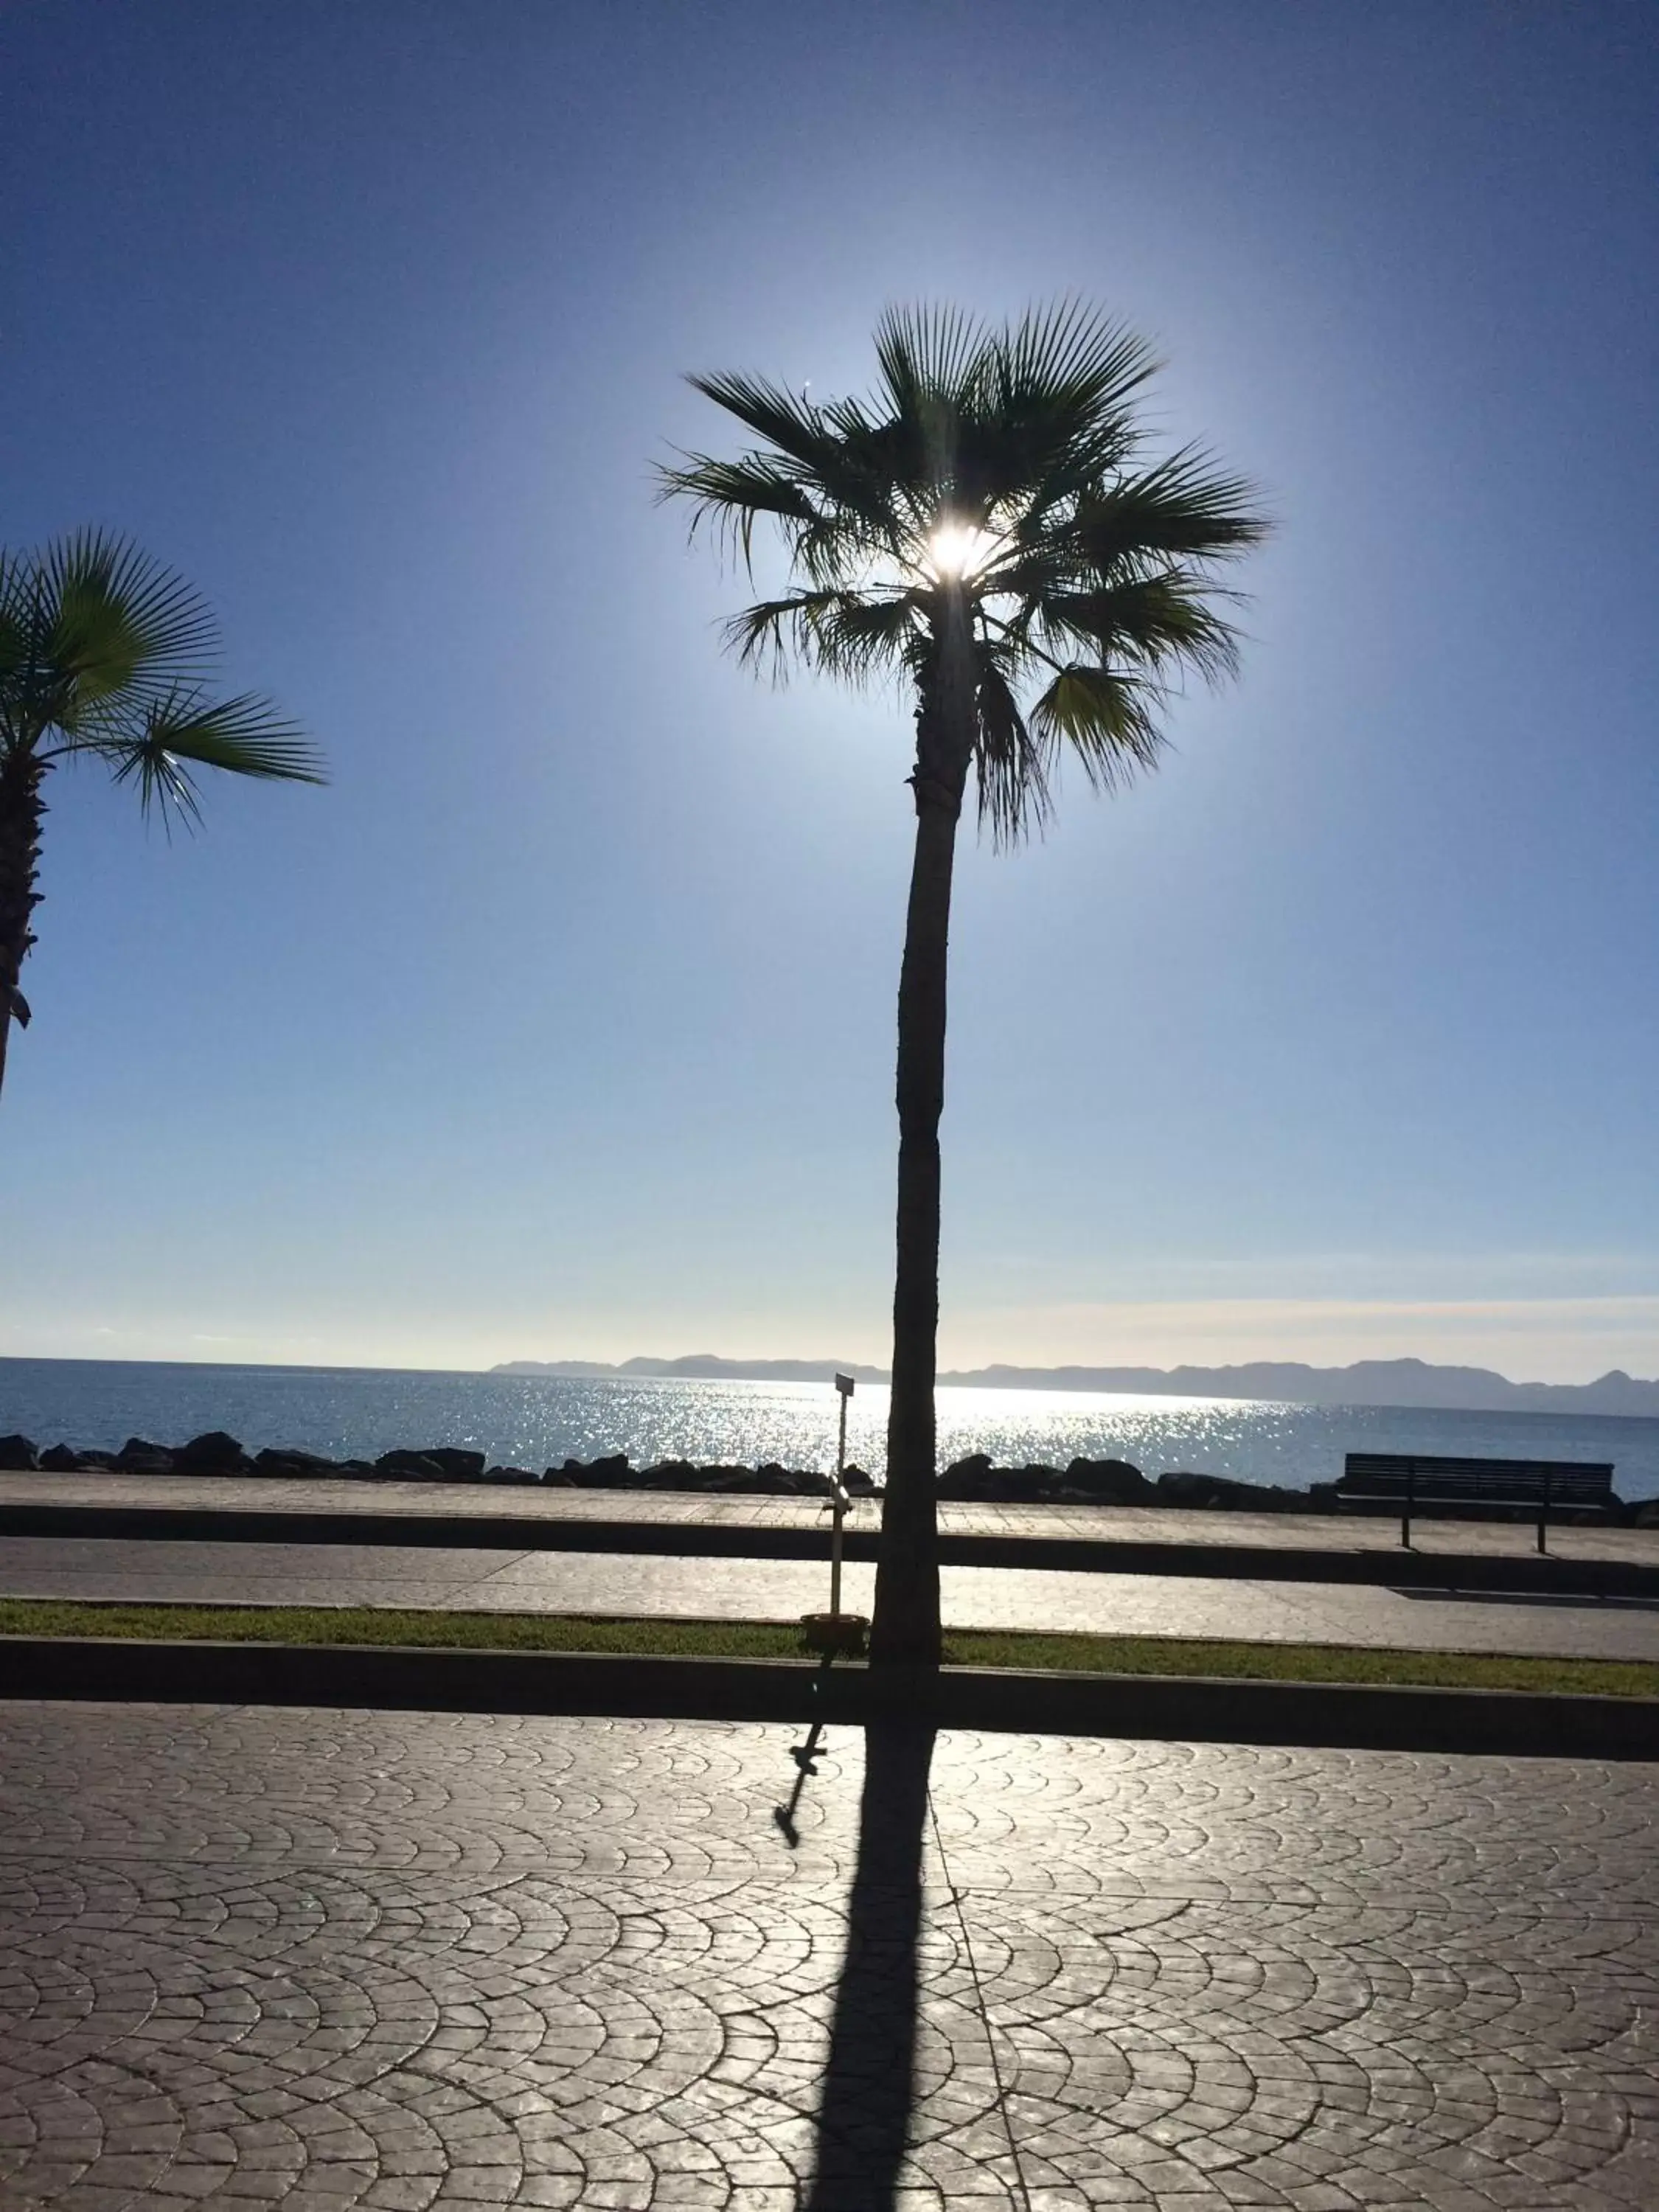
(988, 526)
(106, 655)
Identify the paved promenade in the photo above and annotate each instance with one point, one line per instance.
(325, 1961)
(972, 1597)
(1317, 1531)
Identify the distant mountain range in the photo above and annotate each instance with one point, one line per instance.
(1367, 1382)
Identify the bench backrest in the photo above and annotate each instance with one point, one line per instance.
(1392, 1475)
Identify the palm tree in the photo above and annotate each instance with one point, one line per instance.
(987, 527)
(106, 655)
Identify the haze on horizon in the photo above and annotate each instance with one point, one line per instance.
(560, 1025)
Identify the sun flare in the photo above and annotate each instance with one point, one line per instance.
(956, 550)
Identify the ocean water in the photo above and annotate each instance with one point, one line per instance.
(535, 1421)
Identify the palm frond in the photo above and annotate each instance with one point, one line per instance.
(1108, 719)
(932, 352)
(733, 496)
(1011, 772)
(843, 633)
(112, 617)
(1159, 621)
(1183, 508)
(15, 600)
(789, 421)
(826, 454)
(1075, 353)
(157, 749)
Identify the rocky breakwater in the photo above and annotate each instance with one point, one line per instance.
(971, 1480)
(216, 1453)
(974, 1481)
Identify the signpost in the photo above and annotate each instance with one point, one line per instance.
(845, 1386)
(837, 1631)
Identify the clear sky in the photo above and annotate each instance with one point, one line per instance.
(561, 1024)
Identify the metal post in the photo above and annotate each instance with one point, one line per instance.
(844, 1386)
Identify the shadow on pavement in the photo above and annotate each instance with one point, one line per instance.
(864, 2114)
(1572, 1601)
(806, 1758)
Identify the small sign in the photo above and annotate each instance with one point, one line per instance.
(844, 1384)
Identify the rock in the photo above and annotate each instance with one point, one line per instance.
(601, 1474)
(293, 1462)
(670, 1474)
(59, 1459)
(213, 1454)
(1178, 1487)
(854, 1478)
(1644, 1515)
(412, 1466)
(508, 1474)
(18, 1455)
(1109, 1482)
(976, 1465)
(457, 1466)
(433, 1463)
(969, 1480)
(557, 1478)
(138, 1456)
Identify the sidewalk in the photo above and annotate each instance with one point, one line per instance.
(494, 1580)
(543, 1517)
(396, 1960)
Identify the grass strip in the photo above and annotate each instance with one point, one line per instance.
(760, 1639)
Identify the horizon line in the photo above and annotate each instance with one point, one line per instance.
(863, 1371)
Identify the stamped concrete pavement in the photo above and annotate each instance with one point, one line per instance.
(333, 1961)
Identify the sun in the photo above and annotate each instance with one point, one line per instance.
(958, 549)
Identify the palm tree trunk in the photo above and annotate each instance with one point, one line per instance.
(905, 1628)
(20, 809)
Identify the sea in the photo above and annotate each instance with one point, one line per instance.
(536, 1421)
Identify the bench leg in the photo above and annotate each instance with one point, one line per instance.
(1405, 1528)
(1542, 1546)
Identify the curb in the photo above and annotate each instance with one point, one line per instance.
(1360, 1716)
(1524, 1575)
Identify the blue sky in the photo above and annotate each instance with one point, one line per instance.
(560, 1024)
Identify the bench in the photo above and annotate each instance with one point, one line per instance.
(1538, 1486)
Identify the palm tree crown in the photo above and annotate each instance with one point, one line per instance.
(106, 655)
(103, 652)
(1002, 471)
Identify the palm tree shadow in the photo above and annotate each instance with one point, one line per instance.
(864, 2117)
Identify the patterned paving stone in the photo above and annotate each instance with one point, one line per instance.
(333, 1961)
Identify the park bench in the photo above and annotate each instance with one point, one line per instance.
(1542, 1487)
